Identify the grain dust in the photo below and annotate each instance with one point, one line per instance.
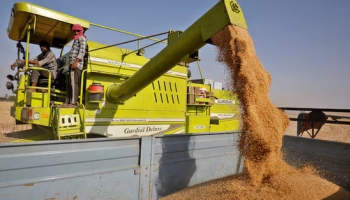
(266, 175)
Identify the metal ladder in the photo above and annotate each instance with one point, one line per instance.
(69, 126)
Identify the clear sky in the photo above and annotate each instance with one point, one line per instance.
(304, 44)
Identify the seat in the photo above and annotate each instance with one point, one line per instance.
(43, 82)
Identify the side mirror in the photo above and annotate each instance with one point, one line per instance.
(9, 85)
(10, 77)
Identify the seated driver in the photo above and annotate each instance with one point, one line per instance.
(47, 60)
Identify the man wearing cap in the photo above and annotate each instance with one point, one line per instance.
(47, 60)
(76, 61)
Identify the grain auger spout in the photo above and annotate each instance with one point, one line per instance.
(225, 12)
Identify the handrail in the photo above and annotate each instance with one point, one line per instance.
(81, 86)
(26, 63)
(113, 29)
(17, 73)
(82, 118)
(34, 87)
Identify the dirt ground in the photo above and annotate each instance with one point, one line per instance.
(8, 123)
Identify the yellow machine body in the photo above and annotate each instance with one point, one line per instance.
(166, 103)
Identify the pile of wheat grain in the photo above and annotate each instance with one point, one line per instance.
(294, 186)
(266, 176)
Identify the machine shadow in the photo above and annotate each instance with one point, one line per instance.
(45, 133)
(176, 165)
(97, 129)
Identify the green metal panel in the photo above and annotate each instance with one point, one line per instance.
(108, 67)
(37, 99)
(225, 107)
(197, 124)
(40, 115)
(225, 125)
(225, 112)
(20, 89)
(235, 13)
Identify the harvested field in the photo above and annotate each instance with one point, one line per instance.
(331, 132)
(8, 123)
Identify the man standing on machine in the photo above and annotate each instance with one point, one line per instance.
(76, 62)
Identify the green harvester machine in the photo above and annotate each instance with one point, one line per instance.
(122, 93)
